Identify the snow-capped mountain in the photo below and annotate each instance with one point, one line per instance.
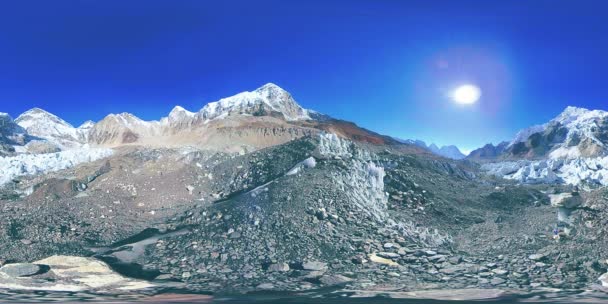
(246, 121)
(571, 148)
(266, 100)
(576, 132)
(266, 116)
(450, 151)
(44, 125)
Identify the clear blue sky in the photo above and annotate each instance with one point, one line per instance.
(387, 65)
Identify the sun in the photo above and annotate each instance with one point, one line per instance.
(466, 94)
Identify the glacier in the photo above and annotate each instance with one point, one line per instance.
(35, 164)
(573, 171)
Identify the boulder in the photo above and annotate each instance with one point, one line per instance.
(566, 200)
(278, 267)
(21, 269)
(604, 279)
(536, 257)
(314, 266)
(332, 280)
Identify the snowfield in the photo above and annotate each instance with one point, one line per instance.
(575, 171)
(34, 164)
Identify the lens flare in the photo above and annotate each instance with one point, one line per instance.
(466, 94)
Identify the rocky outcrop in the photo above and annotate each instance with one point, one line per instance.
(67, 273)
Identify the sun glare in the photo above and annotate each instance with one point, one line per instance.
(466, 94)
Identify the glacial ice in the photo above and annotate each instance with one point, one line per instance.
(33, 164)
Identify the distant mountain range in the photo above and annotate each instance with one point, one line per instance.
(450, 151)
(246, 121)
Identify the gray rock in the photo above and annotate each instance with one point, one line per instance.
(165, 276)
(332, 280)
(388, 255)
(314, 266)
(497, 281)
(536, 257)
(265, 286)
(20, 269)
(278, 267)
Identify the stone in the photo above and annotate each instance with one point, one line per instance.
(380, 260)
(332, 280)
(190, 189)
(500, 272)
(497, 281)
(278, 267)
(313, 275)
(604, 279)
(536, 257)
(565, 200)
(20, 269)
(314, 266)
(265, 286)
(358, 260)
(437, 258)
(455, 260)
(165, 276)
(388, 255)
(74, 274)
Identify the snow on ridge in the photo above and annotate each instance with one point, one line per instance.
(35, 164)
(523, 135)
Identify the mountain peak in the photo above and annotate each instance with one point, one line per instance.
(270, 87)
(262, 101)
(87, 124)
(179, 109)
(35, 115)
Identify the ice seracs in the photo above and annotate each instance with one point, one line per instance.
(34, 164)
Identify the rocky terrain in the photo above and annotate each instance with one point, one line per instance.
(254, 193)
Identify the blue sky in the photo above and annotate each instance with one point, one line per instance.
(387, 65)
